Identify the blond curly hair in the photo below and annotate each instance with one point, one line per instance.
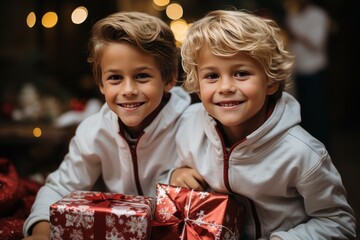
(227, 32)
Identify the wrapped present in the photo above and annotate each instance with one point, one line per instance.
(97, 215)
(181, 213)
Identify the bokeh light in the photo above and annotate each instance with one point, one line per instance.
(49, 19)
(37, 132)
(79, 15)
(174, 11)
(31, 20)
(161, 3)
(179, 28)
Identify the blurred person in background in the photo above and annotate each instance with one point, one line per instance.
(308, 28)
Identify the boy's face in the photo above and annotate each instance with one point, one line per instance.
(233, 90)
(132, 84)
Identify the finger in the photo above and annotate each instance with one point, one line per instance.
(192, 183)
(200, 180)
(178, 176)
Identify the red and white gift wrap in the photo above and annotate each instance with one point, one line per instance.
(84, 215)
(181, 213)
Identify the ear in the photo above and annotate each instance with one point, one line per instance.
(170, 85)
(101, 87)
(272, 87)
(199, 95)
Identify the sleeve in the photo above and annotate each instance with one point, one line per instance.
(165, 176)
(79, 171)
(331, 217)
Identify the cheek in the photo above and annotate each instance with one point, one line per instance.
(205, 91)
(110, 92)
(254, 89)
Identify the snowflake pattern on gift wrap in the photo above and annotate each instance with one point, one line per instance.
(138, 226)
(61, 208)
(76, 234)
(160, 196)
(110, 221)
(56, 232)
(203, 194)
(199, 220)
(80, 217)
(121, 221)
(167, 188)
(177, 190)
(165, 213)
(123, 210)
(114, 235)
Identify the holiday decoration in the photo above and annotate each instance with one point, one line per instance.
(97, 215)
(181, 213)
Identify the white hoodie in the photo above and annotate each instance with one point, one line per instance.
(98, 149)
(283, 175)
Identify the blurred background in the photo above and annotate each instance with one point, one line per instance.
(46, 86)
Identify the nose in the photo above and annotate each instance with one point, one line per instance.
(129, 87)
(226, 85)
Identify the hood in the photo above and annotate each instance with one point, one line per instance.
(286, 115)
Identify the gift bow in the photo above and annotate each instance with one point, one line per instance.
(102, 200)
(184, 223)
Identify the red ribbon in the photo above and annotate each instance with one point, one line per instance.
(102, 201)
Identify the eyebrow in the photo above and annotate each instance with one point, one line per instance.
(138, 69)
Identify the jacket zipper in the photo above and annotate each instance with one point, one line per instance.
(132, 147)
(227, 182)
(136, 167)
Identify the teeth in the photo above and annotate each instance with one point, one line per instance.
(130, 105)
(228, 104)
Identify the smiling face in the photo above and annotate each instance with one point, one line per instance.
(131, 83)
(233, 90)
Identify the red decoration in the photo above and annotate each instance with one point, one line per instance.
(181, 213)
(97, 215)
(77, 104)
(17, 195)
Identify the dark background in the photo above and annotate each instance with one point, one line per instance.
(54, 60)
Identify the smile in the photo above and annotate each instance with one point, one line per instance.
(228, 104)
(130, 105)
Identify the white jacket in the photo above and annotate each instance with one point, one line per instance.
(283, 175)
(98, 149)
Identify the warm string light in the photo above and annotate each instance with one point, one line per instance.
(50, 19)
(37, 132)
(79, 15)
(174, 11)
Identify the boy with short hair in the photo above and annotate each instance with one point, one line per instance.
(129, 142)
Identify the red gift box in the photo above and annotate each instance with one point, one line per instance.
(182, 213)
(96, 215)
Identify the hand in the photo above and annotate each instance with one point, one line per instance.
(189, 178)
(40, 231)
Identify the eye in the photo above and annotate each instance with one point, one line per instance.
(211, 76)
(241, 74)
(142, 76)
(115, 77)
